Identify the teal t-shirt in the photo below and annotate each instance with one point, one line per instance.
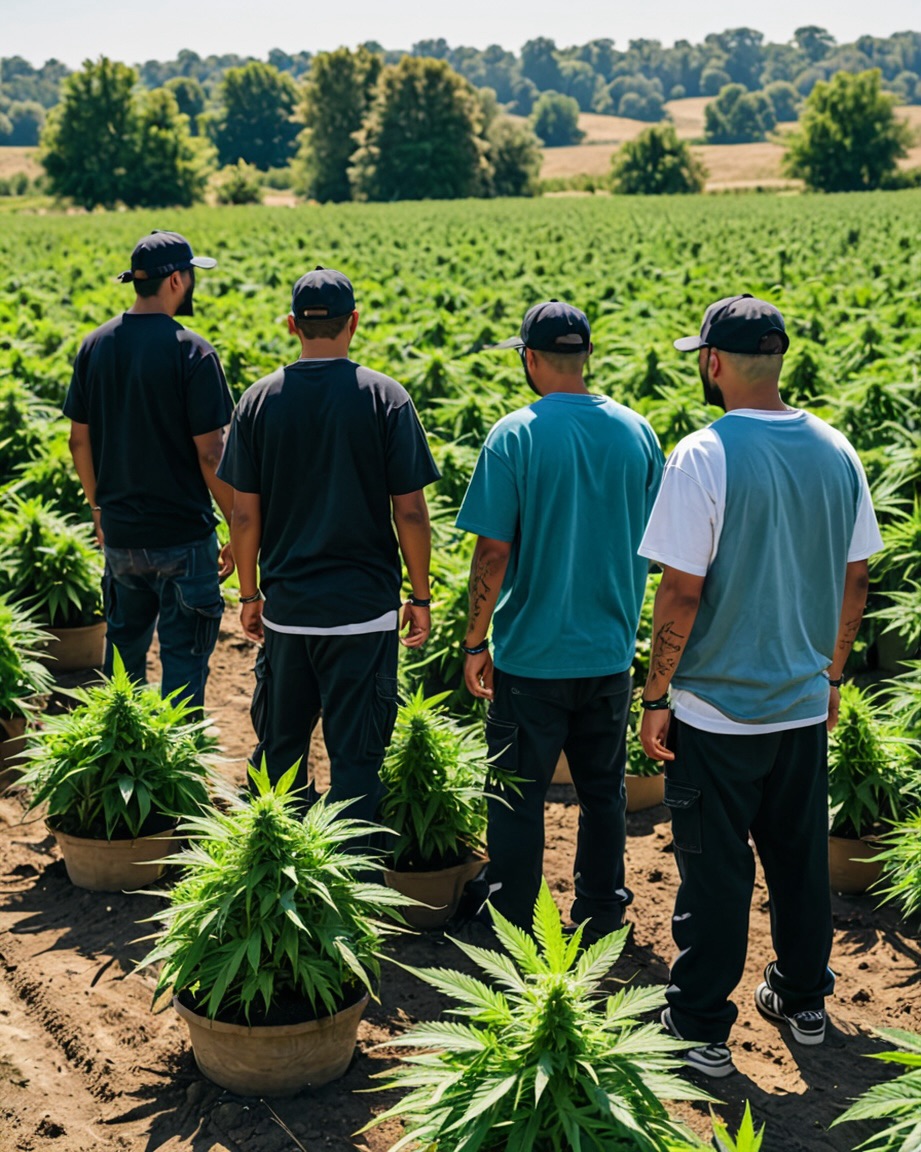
(569, 481)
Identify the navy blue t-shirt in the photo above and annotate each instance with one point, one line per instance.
(326, 443)
(145, 386)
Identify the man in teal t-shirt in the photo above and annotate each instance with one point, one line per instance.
(559, 501)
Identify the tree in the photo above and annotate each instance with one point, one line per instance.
(514, 156)
(555, 119)
(540, 65)
(849, 138)
(336, 100)
(169, 166)
(814, 42)
(421, 138)
(190, 96)
(256, 121)
(578, 80)
(785, 100)
(657, 163)
(738, 117)
(637, 98)
(27, 118)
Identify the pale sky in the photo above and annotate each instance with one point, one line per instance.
(135, 31)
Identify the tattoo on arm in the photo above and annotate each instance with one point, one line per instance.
(666, 650)
(848, 634)
(479, 590)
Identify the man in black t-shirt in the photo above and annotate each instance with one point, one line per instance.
(148, 405)
(324, 458)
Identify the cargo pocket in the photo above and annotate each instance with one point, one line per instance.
(260, 703)
(200, 598)
(383, 715)
(502, 751)
(684, 802)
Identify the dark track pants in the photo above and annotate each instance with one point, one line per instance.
(529, 723)
(720, 788)
(352, 680)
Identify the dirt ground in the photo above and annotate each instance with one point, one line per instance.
(86, 1067)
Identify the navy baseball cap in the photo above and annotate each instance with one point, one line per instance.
(552, 327)
(324, 293)
(740, 324)
(160, 254)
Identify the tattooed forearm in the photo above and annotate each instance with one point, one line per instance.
(848, 633)
(479, 587)
(667, 647)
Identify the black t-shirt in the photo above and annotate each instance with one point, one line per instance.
(326, 443)
(145, 386)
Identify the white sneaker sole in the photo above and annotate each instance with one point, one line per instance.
(808, 1039)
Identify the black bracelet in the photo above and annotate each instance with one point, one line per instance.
(835, 683)
(659, 705)
(477, 650)
(251, 599)
(419, 602)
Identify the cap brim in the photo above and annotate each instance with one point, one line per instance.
(512, 342)
(203, 262)
(689, 343)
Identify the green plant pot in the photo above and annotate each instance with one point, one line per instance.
(76, 649)
(850, 869)
(114, 865)
(441, 890)
(273, 1060)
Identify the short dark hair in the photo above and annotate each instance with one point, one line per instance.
(566, 363)
(148, 288)
(322, 327)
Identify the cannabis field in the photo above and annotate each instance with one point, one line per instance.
(83, 1063)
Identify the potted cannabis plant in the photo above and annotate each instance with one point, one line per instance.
(540, 1059)
(116, 773)
(270, 943)
(869, 784)
(434, 774)
(51, 563)
(23, 680)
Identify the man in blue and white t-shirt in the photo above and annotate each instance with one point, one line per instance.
(763, 527)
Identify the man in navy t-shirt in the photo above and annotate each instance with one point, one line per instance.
(148, 405)
(326, 458)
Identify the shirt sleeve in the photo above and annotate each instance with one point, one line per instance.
(684, 527)
(409, 462)
(239, 467)
(490, 506)
(75, 402)
(866, 538)
(208, 401)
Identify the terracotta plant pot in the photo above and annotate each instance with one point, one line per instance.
(561, 774)
(644, 791)
(850, 869)
(11, 746)
(76, 649)
(273, 1060)
(441, 889)
(114, 865)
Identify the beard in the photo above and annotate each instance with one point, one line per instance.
(712, 394)
(529, 379)
(187, 307)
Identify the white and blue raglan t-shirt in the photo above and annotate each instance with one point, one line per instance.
(770, 507)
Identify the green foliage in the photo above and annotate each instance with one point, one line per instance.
(785, 100)
(869, 779)
(849, 139)
(901, 861)
(50, 563)
(336, 99)
(23, 420)
(539, 1061)
(898, 1100)
(189, 96)
(238, 183)
(270, 913)
(555, 119)
(434, 773)
(746, 1139)
(514, 157)
(21, 124)
(656, 163)
(124, 761)
(738, 117)
(256, 118)
(421, 137)
(50, 475)
(21, 674)
(168, 166)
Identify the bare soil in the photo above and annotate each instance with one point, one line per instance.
(15, 159)
(85, 1066)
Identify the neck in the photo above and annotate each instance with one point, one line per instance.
(150, 306)
(323, 349)
(765, 398)
(572, 384)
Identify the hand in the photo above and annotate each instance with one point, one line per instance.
(834, 703)
(419, 622)
(251, 619)
(654, 733)
(478, 675)
(225, 563)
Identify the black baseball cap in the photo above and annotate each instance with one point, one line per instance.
(740, 324)
(162, 253)
(324, 290)
(552, 327)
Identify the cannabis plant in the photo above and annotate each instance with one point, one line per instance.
(271, 920)
(124, 762)
(868, 766)
(51, 476)
(901, 861)
(23, 419)
(898, 1100)
(434, 773)
(540, 1060)
(22, 677)
(50, 563)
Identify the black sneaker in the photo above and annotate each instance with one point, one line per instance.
(711, 1059)
(808, 1027)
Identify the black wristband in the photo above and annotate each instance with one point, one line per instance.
(419, 602)
(251, 599)
(477, 650)
(659, 705)
(835, 683)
